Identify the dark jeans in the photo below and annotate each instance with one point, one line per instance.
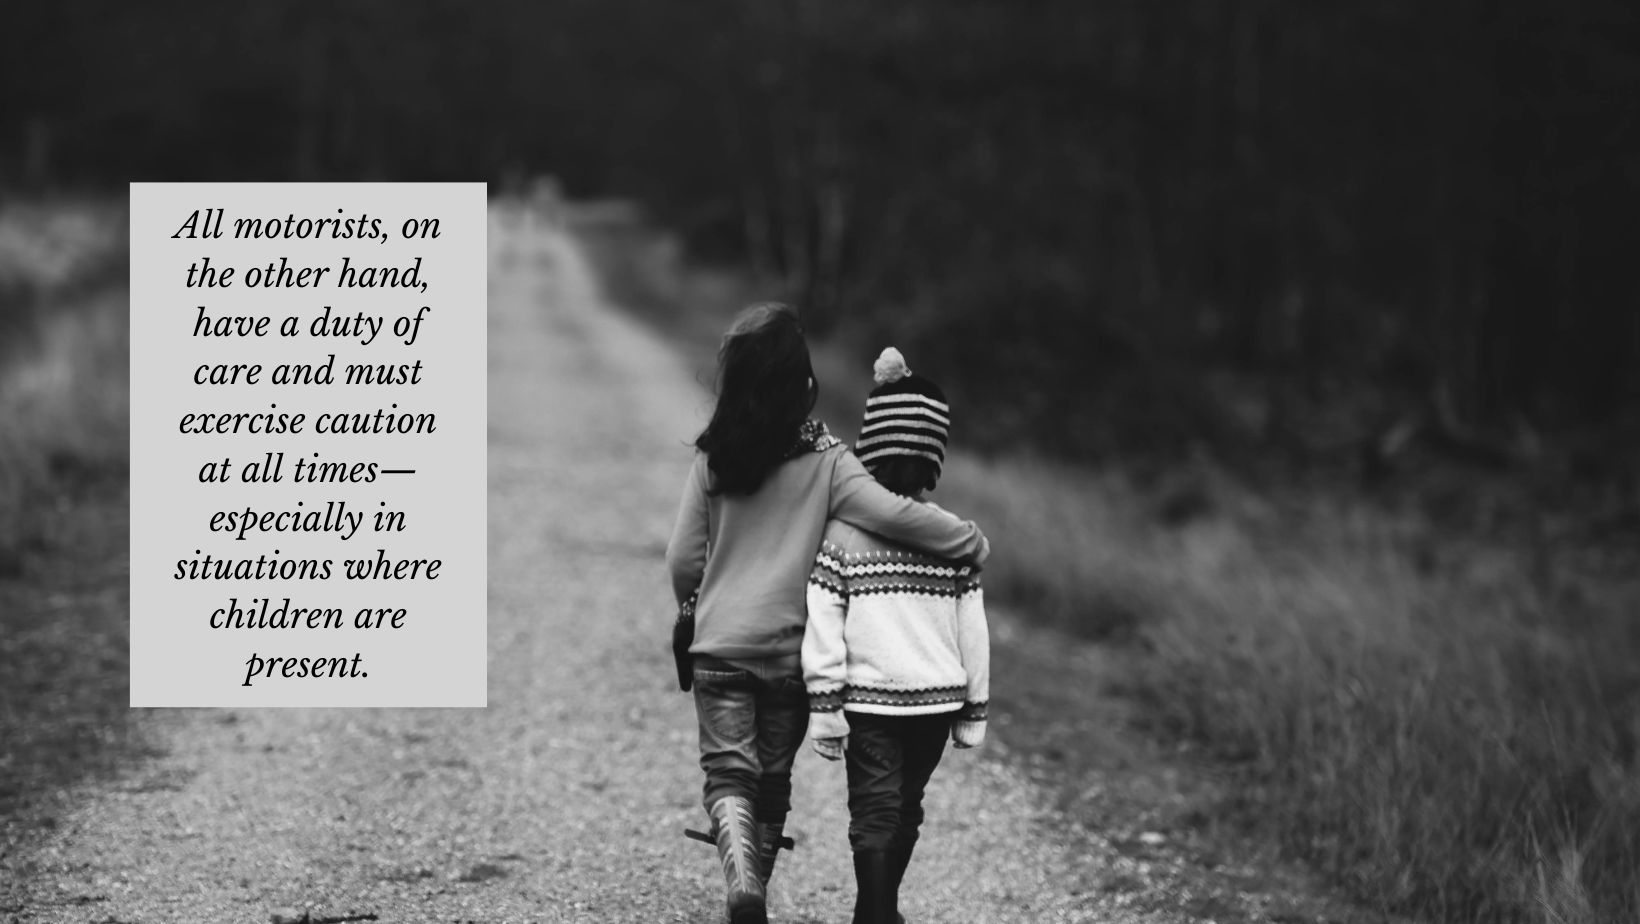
(752, 718)
(889, 759)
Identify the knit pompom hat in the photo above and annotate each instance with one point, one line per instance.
(906, 415)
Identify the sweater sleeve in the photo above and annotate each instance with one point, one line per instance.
(686, 550)
(858, 499)
(825, 655)
(974, 645)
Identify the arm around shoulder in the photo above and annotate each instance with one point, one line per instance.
(858, 499)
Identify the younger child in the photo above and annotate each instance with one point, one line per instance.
(896, 657)
(764, 482)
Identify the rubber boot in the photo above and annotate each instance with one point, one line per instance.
(899, 857)
(768, 850)
(735, 831)
(874, 888)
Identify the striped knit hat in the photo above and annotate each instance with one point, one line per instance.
(906, 415)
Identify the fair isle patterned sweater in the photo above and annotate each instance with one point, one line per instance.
(893, 632)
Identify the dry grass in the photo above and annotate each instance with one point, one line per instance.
(64, 361)
(64, 454)
(1445, 733)
(51, 245)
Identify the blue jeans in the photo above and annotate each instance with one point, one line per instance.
(753, 715)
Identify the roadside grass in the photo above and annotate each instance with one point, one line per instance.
(64, 360)
(64, 458)
(1443, 739)
(1445, 725)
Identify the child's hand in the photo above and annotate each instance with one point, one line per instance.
(831, 748)
(970, 734)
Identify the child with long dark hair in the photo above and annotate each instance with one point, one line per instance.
(765, 480)
(897, 655)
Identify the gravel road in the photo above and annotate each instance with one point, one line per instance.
(565, 799)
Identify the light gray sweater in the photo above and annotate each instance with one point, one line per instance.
(894, 632)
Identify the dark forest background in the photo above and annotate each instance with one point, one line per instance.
(1325, 230)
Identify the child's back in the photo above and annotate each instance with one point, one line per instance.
(892, 631)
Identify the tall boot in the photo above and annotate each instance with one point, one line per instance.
(735, 830)
(768, 849)
(899, 857)
(874, 885)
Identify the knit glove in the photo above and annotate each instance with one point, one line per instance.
(968, 734)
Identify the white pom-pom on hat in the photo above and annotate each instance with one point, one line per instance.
(889, 367)
(906, 415)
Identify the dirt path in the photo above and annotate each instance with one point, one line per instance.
(564, 800)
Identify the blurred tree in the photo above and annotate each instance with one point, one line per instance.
(1403, 203)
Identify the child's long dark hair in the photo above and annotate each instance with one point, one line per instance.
(766, 390)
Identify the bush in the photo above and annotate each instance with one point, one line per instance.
(64, 380)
